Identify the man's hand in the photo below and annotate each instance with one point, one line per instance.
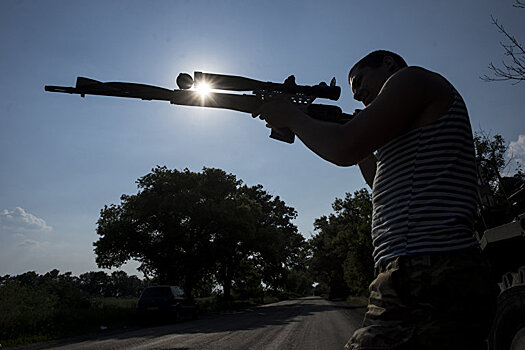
(279, 113)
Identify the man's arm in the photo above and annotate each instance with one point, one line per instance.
(394, 111)
(368, 165)
(368, 168)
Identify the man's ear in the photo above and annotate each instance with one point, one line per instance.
(390, 64)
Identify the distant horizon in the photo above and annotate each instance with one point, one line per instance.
(108, 272)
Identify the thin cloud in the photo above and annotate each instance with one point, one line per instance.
(516, 150)
(32, 244)
(19, 219)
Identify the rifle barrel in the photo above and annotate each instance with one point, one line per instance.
(63, 89)
(86, 86)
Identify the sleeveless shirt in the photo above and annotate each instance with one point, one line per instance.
(424, 191)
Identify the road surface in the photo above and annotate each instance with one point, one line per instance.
(306, 323)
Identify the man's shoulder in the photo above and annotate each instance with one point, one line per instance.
(426, 82)
(419, 74)
(434, 90)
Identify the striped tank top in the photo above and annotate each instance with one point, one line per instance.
(424, 193)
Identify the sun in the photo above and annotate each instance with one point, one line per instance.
(203, 88)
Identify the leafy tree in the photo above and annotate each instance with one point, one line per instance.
(248, 281)
(262, 249)
(34, 305)
(495, 189)
(279, 244)
(39, 307)
(236, 234)
(299, 282)
(124, 285)
(25, 309)
(189, 228)
(168, 226)
(329, 254)
(342, 250)
(30, 278)
(490, 157)
(96, 283)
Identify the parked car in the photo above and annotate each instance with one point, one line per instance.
(167, 301)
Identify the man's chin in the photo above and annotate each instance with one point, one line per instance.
(367, 101)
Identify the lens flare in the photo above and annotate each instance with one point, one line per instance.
(203, 89)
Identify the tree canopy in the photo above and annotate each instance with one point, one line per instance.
(495, 189)
(342, 247)
(189, 228)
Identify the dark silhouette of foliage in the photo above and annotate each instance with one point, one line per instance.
(186, 228)
(342, 248)
(38, 307)
(495, 189)
(490, 157)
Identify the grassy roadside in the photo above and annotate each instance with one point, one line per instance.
(25, 324)
(45, 319)
(357, 301)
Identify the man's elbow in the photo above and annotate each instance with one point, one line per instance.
(351, 148)
(345, 160)
(349, 156)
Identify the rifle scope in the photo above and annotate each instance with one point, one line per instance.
(237, 83)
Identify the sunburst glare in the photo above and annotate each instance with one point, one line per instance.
(203, 89)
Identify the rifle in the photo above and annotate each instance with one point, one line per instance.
(301, 95)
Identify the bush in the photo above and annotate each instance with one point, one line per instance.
(36, 313)
(27, 313)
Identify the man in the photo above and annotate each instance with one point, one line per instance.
(432, 288)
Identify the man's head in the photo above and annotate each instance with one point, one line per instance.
(368, 75)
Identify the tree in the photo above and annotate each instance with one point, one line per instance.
(299, 280)
(169, 225)
(342, 250)
(494, 189)
(490, 157)
(188, 228)
(514, 69)
(124, 285)
(95, 283)
(279, 245)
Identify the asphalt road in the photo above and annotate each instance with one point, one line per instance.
(307, 323)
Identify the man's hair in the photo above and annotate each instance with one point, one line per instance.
(375, 59)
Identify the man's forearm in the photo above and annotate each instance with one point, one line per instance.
(341, 144)
(331, 141)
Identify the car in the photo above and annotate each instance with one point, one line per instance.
(167, 302)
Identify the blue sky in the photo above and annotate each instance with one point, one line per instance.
(63, 157)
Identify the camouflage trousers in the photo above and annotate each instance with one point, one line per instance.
(442, 301)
